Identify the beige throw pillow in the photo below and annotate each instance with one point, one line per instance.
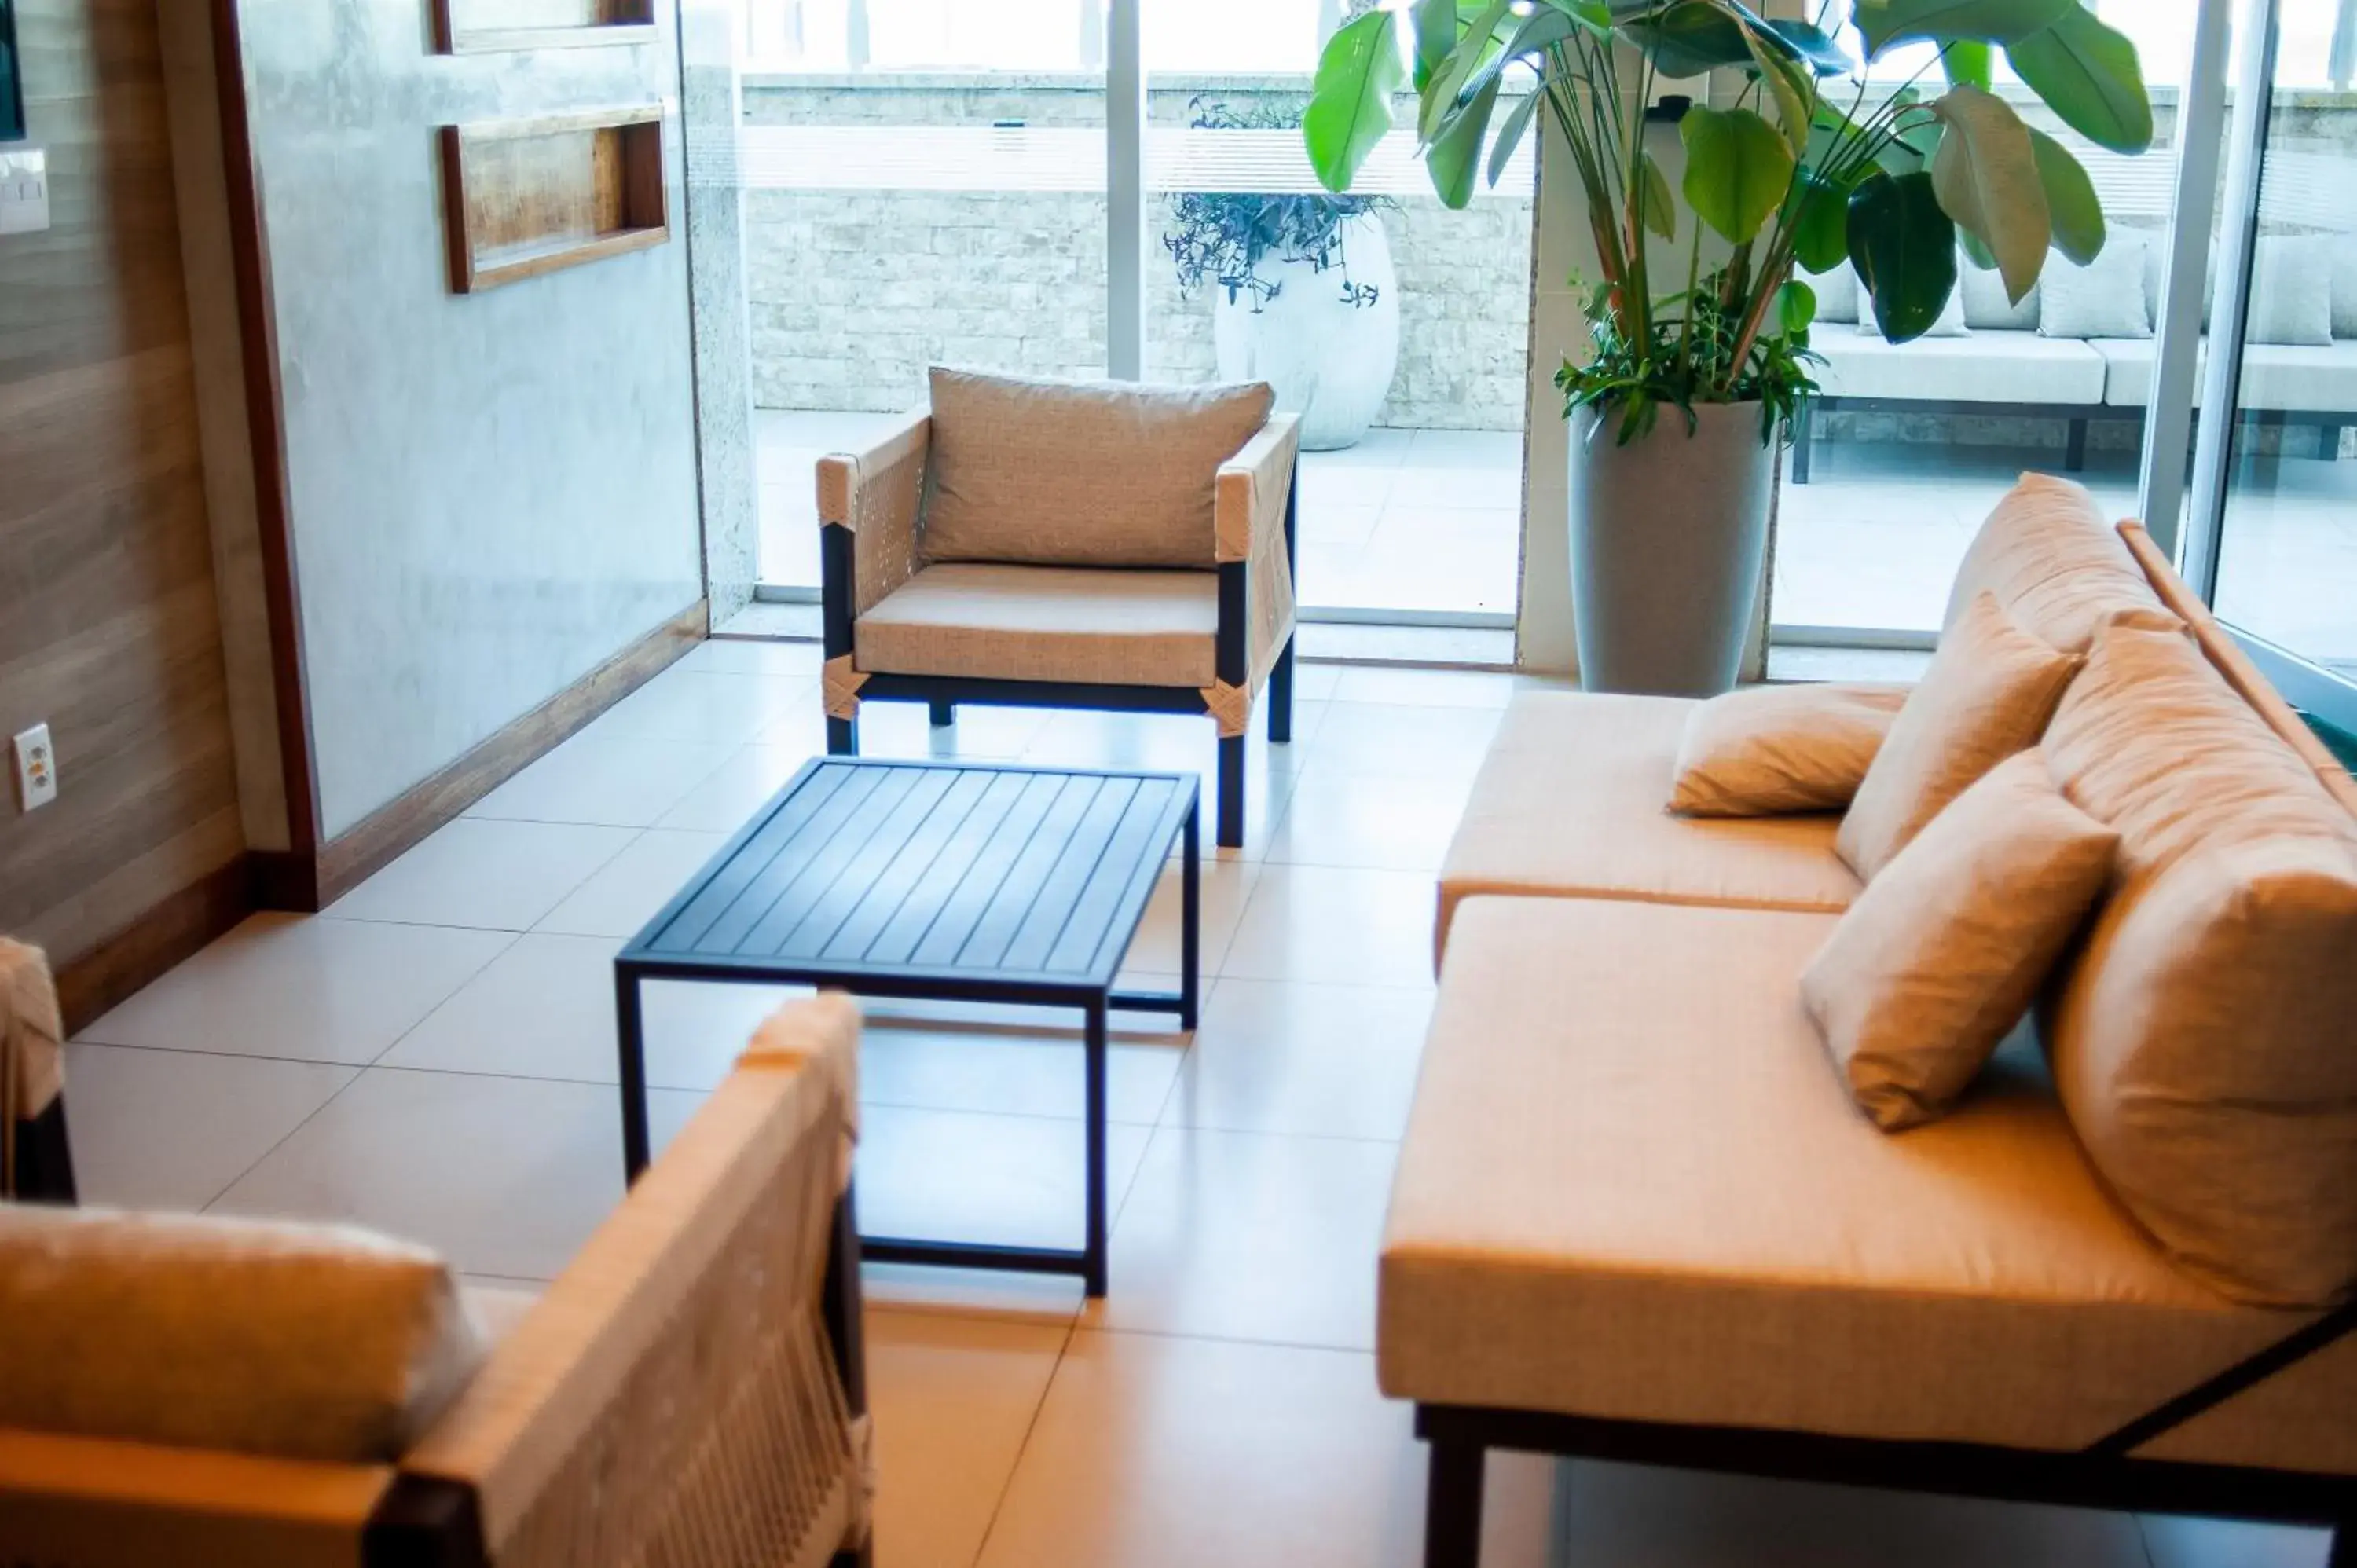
(292, 1341)
(1988, 692)
(2056, 566)
(1944, 953)
(1775, 750)
(1079, 473)
(2204, 1044)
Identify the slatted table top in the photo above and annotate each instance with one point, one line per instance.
(966, 879)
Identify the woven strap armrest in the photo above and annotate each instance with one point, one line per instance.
(673, 1398)
(1253, 490)
(879, 495)
(84, 1502)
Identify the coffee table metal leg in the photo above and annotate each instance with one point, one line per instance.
(635, 1141)
(1191, 921)
(1094, 1264)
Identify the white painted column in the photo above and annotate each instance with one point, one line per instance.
(1125, 191)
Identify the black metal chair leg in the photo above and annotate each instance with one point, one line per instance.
(2344, 1544)
(1231, 791)
(1280, 698)
(1801, 435)
(945, 714)
(2074, 451)
(842, 737)
(1452, 1509)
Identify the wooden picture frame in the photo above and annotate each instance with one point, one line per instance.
(526, 197)
(479, 27)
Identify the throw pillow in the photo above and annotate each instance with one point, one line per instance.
(1950, 325)
(1944, 953)
(1836, 293)
(2102, 299)
(2343, 252)
(2201, 1041)
(1773, 750)
(1079, 474)
(1985, 307)
(1988, 692)
(294, 1341)
(2291, 292)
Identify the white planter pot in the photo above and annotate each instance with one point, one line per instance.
(1330, 361)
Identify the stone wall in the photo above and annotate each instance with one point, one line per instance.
(855, 293)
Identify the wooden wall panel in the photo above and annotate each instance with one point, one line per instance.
(109, 628)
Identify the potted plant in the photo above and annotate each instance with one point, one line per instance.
(1305, 295)
(1800, 163)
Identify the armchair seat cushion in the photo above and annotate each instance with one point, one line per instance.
(1633, 1187)
(1088, 625)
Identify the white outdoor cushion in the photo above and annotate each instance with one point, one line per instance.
(1571, 801)
(2321, 379)
(2344, 286)
(2106, 298)
(1951, 323)
(1633, 1187)
(1985, 367)
(1987, 309)
(1836, 293)
(2291, 291)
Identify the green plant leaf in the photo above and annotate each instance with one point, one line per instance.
(1444, 93)
(1788, 87)
(1969, 62)
(1660, 211)
(1351, 101)
(1510, 132)
(2071, 196)
(1436, 36)
(1739, 169)
(1686, 37)
(1537, 30)
(1820, 229)
(1986, 174)
(1911, 147)
(1456, 154)
(1796, 306)
(1882, 22)
(1904, 247)
(2089, 76)
(1813, 45)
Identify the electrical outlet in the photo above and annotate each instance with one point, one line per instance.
(37, 768)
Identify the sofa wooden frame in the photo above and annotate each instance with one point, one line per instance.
(942, 693)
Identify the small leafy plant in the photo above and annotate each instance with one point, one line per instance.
(1224, 238)
(1804, 164)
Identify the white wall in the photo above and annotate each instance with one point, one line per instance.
(491, 494)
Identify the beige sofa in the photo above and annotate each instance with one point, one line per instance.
(1636, 1216)
(686, 1392)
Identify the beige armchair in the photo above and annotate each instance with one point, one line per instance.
(1056, 545)
(685, 1393)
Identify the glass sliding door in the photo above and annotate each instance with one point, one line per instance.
(925, 183)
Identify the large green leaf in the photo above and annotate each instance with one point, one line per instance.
(1541, 28)
(1821, 228)
(1510, 132)
(1739, 169)
(1788, 86)
(1444, 93)
(1814, 47)
(1436, 36)
(1658, 209)
(1686, 37)
(2070, 198)
(1796, 306)
(2089, 75)
(1351, 99)
(1986, 174)
(1456, 154)
(1905, 250)
(1885, 21)
(1969, 62)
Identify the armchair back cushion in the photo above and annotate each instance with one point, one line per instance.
(2055, 567)
(1079, 474)
(2204, 1044)
(290, 1341)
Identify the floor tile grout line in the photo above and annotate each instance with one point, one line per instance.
(208, 1206)
(1030, 1427)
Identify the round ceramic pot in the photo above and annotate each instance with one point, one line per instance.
(1330, 361)
(1669, 536)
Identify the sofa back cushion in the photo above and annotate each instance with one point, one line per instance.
(1079, 474)
(2204, 1042)
(292, 1341)
(2055, 567)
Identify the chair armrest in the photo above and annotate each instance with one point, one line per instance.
(1252, 532)
(877, 495)
(678, 1374)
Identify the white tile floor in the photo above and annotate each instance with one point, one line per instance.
(434, 1056)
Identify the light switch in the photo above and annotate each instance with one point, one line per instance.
(23, 190)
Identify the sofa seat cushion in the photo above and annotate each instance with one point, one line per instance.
(1633, 1188)
(1985, 367)
(1573, 802)
(2277, 377)
(1046, 623)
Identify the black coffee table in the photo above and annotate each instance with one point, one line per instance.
(949, 881)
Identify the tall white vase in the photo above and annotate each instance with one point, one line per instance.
(1330, 361)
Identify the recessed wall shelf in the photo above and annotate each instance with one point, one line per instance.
(482, 26)
(524, 198)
